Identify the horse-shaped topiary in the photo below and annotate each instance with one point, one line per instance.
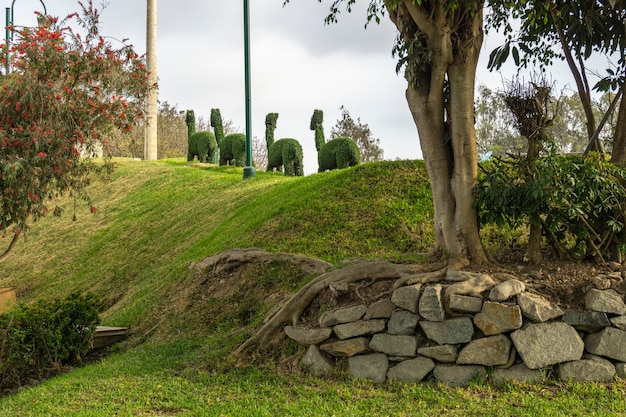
(233, 150)
(338, 153)
(284, 153)
(201, 145)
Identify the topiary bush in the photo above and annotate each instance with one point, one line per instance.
(270, 126)
(203, 146)
(286, 153)
(233, 150)
(338, 153)
(38, 339)
(316, 124)
(190, 121)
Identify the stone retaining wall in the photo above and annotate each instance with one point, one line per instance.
(455, 331)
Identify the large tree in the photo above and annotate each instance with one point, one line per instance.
(66, 89)
(437, 46)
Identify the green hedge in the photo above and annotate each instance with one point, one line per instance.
(38, 339)
(233, 150)
(286, 153)
(203, 146)
(338, 153)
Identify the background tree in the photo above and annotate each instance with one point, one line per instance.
(64, 92)
(494, 125)
(368, 145)
(172, 132)
(571, 31)
(153, 99)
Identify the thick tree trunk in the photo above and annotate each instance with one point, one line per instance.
(448, 139)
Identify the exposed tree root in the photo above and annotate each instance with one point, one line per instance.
(271, 334)
(235, 258)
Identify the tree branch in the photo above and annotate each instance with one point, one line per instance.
(8, 251)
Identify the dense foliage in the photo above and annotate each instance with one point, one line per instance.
(64, 91)
(40, 338)
(286, 153)
(232, 149)
(338, 153)
(576, 200)
(190, 121)
(317, 120)
(202, 145)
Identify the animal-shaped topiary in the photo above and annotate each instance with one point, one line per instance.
(233, 150)
(202, 145)
(284, 152)
(190, 121)
(218, 128)
(338, 153)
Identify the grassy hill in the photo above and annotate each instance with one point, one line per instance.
(155, 219)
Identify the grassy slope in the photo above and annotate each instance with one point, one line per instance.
(155, 218)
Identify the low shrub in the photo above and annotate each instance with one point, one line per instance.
(37, 339)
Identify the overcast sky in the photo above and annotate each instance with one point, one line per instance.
(298, 64)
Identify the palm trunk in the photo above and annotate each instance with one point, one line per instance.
(150, 148)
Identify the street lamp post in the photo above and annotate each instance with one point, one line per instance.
(249, 171)
(9, 22)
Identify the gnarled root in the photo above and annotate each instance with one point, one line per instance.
(271, 333)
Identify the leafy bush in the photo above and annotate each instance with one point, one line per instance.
(37, 339)
(233, 150)
(287, 153)
(577, 201)
(203, 145)
(338, 153)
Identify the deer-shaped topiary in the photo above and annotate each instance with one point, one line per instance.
(284, 153)
(337, 153)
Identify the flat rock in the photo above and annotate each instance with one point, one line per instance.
(394, 345)
(308, 337)
(589, 369)
(606, 301)
(380, 309)
(402, 322)
(440, 353)
(518, 373)
(507, 289)
(459, 375)
(619, 322)
(412, 370)
(543, 344)
(537, 308)
(431, 304)
(316, 362)
(586, 321)
(608, 342)
(342, 315)
(488, 351)
(348, 347)
(472, 286)
(465, 304)
(496, 318)
(449, 332)
(359, 328)
(407, 297)
(373, 367)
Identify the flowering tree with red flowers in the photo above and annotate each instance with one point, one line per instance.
(62, 89)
